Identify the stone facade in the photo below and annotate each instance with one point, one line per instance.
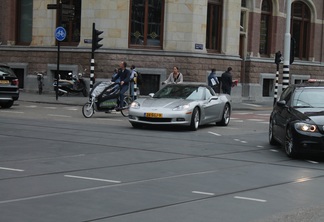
(185, 24)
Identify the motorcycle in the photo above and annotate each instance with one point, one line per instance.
(104, 97)
(75, 85)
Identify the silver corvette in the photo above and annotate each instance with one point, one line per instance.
(185, 104)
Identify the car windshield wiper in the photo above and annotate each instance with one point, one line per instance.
(303, 107)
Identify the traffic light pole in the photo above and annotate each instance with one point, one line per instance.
(92, 62)
(277, 61)
(285, 80)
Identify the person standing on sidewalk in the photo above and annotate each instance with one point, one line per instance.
(213, 81)
(227, 81)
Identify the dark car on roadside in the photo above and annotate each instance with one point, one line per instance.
(297, 119)
(9, 86)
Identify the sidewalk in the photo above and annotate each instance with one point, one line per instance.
(79, 100)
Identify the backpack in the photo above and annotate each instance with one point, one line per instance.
(139, 79)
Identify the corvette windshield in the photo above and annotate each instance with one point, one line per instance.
(181, 92)
(309, 97)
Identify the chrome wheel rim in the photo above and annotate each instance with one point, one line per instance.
(87, 110)
(227, 114)
(196, 120)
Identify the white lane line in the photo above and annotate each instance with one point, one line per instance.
(243, 142)
(238, 121)
(254, 105)
(72, 109)
(63, 116)
(203, 193)
(11, 169)
(302, 180)
(260, 146)
(90, 178)
(251, 199)
(276, 151)
(237, 140)
(255, 120)
(32, 106)
(311, 161)
(9, 111)
(50, 107)
(216, 134)
(114, 120)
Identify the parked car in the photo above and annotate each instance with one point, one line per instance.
(185, 104)
(9, 86)
(297, 119)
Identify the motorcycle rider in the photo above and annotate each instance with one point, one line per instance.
(124, 76)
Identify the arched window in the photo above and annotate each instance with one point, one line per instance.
(300, 28)
(265, 36)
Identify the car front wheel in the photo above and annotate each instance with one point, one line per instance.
(289, 144)
(7, 105)
(226, 116)
(195, 120)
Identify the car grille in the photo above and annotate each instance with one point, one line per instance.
(156, 120)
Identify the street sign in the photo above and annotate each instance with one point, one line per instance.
(87, 41)
(60, 33)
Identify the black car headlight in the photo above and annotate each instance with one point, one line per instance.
(305, 127)
(135, 105)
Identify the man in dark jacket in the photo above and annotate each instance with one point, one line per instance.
(227, 81)
(124, 76)
(213, 81)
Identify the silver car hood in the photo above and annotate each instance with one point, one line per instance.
(163, 103)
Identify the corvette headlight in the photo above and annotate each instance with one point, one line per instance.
(182, 107)
(135, 105)
(305, 127)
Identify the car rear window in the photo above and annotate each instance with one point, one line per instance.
(312, 97)
(5, 71)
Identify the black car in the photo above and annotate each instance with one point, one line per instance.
(297, 119)
(9, 86)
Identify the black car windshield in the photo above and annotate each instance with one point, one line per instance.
(309, 97)
(181, 92)
(4, 71)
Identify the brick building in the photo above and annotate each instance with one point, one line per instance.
(156, 35)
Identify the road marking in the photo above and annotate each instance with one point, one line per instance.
(116, 120)
(238, 121)
(243, 113)
(251, 199)
(11, 169)
(203, 193)
(237, 140)
(9, 111)
(272, 150)
(260, 146)
(63, 116)
(49, 107)
(72, 109)
(254, 105)
(264, 114)
(311, 161)
(32, 106)
(264, 122)
(216, 134)
(255, 120)
(302, 180)
(90, 178)
(243, 141)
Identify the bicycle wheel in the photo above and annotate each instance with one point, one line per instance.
(125, 110)
(87, 110)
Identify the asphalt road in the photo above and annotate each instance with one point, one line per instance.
(55, 165)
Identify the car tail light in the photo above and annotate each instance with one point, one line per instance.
(15, 82)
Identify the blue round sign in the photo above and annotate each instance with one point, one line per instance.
(60, 33)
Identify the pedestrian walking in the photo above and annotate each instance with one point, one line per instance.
(174, 77)
(213, 81)
(227, 81)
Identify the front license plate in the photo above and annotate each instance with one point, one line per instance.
(153, 115)
(4, 81)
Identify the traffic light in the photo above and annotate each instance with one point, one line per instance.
(278, 57)
(95, 38)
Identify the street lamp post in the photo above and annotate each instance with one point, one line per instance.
(285, 81)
